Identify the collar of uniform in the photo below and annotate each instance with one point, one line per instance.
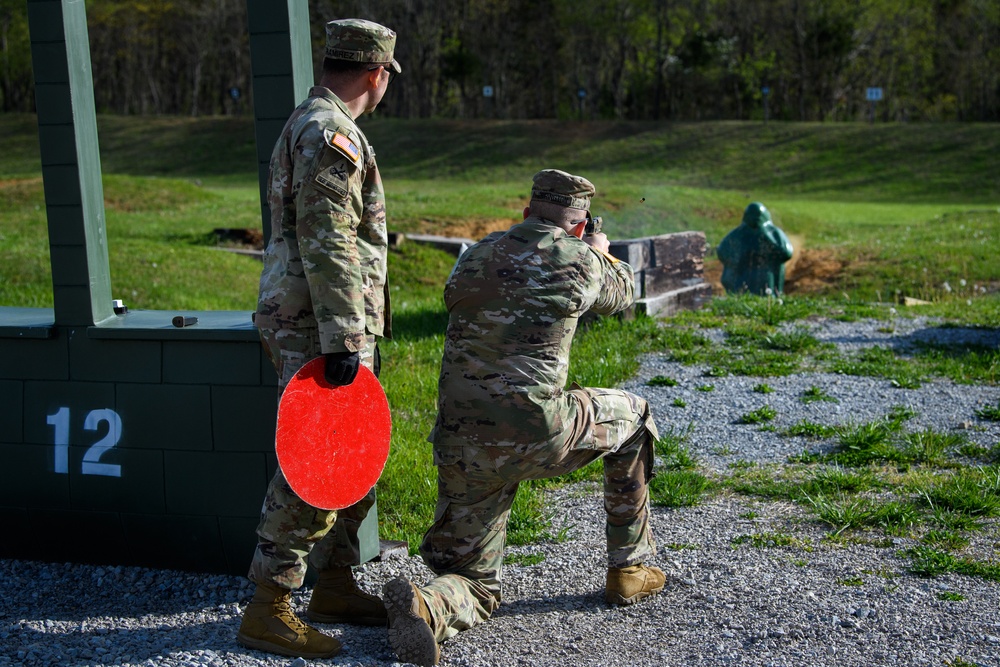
(545, 225)
(327, 94)
(538, 220)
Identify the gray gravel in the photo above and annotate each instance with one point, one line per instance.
(724, 604)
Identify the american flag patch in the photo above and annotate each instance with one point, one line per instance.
(346, 145)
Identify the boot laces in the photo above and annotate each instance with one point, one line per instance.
(283, 610)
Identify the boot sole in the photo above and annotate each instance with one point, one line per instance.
(409, 635)
(270, 647)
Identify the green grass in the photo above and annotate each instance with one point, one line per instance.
(949, 596)
(985, 454)
(851, 581)
(929, 562)
(523, 560)
(759, 416)
(894, 517)
(989, 413)
(808, 429)
(678, 482)
(899, 210)
(879, 441)
(814, 394)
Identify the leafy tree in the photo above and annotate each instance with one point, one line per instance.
(16, 84)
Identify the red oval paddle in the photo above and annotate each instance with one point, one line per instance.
(332, 442)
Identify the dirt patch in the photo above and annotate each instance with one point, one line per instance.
(466, 229)
(251, 239)
(20, 191)
(813, 271)
(713, 276)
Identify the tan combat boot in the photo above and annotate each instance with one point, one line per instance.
(628, 585)
(410, 633)
(337, 599)
(269, 624)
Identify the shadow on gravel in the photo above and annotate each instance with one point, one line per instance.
(64, 606)
(985, 339)
(97, 645)
(566, 602)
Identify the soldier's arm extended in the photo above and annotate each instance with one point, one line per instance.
(616, 282)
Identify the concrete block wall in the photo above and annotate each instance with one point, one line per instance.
(136, 445)
(669, 271)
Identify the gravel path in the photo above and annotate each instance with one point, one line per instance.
(816, 603)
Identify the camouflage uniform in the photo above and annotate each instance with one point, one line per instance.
(323, 289)
(754, 254)
(515, 299)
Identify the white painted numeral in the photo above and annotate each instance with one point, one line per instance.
(91, 465)
(60, 421)
(92, 458)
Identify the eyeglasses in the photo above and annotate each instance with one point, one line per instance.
(389, 70)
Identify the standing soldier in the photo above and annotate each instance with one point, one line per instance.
(514, 301)
(323, 291)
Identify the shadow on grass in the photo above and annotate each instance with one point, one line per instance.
(414, 325)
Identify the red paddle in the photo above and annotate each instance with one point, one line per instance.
(332, 442)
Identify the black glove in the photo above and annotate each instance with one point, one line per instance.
(341, 367)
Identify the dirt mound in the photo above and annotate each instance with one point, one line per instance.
(239, 237)
(466, 229)
(813, 271)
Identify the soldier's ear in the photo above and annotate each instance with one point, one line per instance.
(526, 212)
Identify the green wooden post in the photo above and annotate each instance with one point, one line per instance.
(281, 65)
(71, 162)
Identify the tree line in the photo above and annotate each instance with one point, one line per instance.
(808, 60)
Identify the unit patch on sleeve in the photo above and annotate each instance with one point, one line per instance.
(334, 178)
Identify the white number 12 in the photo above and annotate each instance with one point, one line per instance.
(91, 459)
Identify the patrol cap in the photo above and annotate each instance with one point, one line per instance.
(558, 187)
(756, 215)
(361, 41)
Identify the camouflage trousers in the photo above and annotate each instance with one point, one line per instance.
(476, 488)
(290, 530)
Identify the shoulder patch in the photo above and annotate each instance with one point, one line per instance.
(335, 179)
(342, 143)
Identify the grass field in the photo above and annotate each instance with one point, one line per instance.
(876, 212)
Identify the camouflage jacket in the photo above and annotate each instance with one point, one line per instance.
(325, 264)
(514, 301)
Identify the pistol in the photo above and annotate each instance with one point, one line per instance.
(594, 225)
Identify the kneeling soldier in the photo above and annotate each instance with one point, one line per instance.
(514, 301)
